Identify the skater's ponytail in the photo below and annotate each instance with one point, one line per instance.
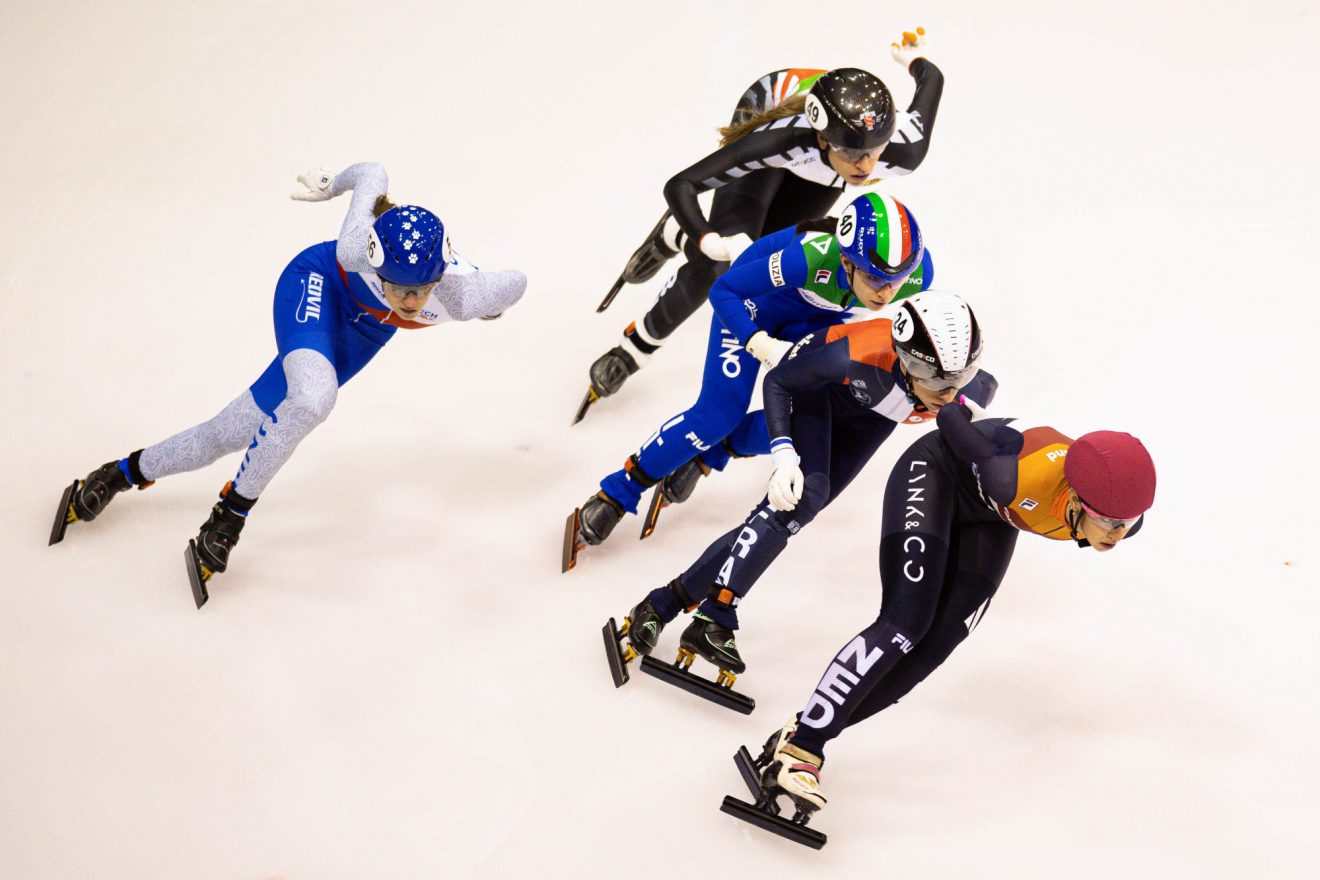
(824, 224)
(791, 107)
(382, 205)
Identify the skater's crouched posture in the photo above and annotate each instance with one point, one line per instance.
(336, 305)
(798, 138)
(954, 505)
(788, 284)
(828, 406)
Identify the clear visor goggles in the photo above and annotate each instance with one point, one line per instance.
(1108, 523)
(931, 377)
(855, 155)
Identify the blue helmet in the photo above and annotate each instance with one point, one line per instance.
(880, 236)
(407, 246)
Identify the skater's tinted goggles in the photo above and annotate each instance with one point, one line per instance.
(849, 154)
(930, 376)
(1108, 523)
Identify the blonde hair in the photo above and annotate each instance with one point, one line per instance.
(382, 205)
(791, 107)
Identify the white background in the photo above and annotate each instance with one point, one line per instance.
(394, 679)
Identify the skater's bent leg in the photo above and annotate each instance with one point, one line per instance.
(982, 554)
(312, 390)
(766, 531)
(753, 549)
(726, 389)
(229, 431)
(737, 207)
(915, 555)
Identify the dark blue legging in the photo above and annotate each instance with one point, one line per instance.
(942, 557)
(835, 438)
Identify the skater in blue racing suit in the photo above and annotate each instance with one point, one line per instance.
(336, 305)
(786, 285)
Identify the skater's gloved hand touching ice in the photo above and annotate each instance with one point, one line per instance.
(785, 490)
(912, 48)
(767, 349)
(724, 248)
(319, 183)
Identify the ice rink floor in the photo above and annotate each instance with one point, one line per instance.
(395, 681)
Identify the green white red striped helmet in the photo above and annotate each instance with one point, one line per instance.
(881, 237)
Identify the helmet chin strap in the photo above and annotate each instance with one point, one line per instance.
(1074, 521)
(911, 390)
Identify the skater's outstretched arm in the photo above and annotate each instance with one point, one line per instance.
(476, 294)
(767, 147)
(368, 182)
(911, 138)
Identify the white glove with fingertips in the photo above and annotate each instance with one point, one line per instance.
(319, 183)
(785, 489)
(724, 248)
(912, 48)
(767, 349)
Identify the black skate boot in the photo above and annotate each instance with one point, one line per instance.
(84, 500)
(599, 516)
(782, 768)
(208, 553)
(713, 642)
(612, 369)
(708, 639)
(673, 489)
(662, 243)
(642, 628)
(589, 524)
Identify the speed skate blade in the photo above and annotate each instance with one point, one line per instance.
(62, 514)
(658, 503)
(590, 398)
(767, 821)
(194, 564)
(571, 544)
(614, 654)
(698, 686)
(609, 297)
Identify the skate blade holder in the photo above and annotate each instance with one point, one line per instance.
(764, 813)
(617, 653)
(198, 574)
(678, 674)
(572, 546)
(64, 515)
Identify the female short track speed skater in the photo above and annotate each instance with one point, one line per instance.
(788, 284)
(797, 139)
(829, 406)
(336, 304)
(954, 505)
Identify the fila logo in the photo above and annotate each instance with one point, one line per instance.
(777, 268)
(692, 437)
(1027, 504)
(823, 276)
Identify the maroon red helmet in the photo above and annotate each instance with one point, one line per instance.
(1112, 473)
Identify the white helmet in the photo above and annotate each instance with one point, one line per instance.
(937, 339)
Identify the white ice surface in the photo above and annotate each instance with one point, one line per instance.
(396, 681)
